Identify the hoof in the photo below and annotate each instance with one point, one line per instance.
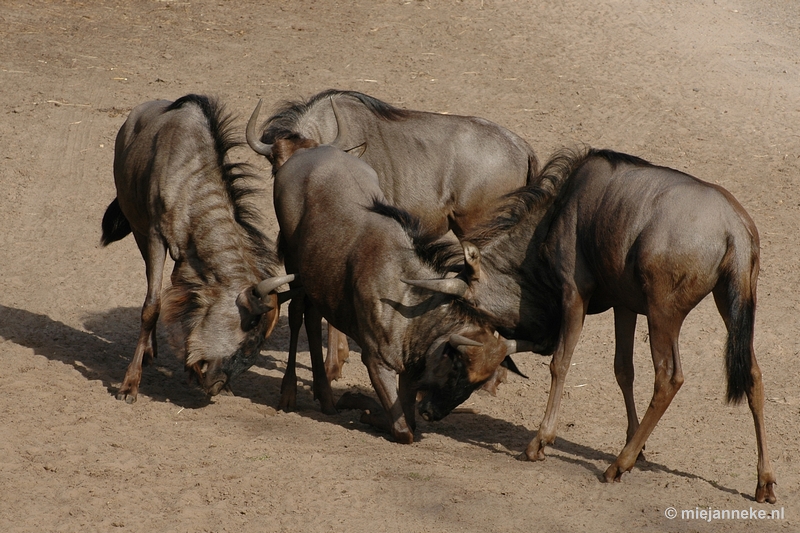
(533, 454)
(129, 397)
(328, 408)
(288, 402)
(404, 437)
(766, 493)
(613, 473)
(333, 374)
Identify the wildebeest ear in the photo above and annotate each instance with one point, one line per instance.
(359, 150)
(472, 261)
(512, 366)
(283, 149)
(251, 308)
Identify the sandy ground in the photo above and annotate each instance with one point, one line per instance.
(708, 87)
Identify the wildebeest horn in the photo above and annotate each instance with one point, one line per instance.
(452, 286)
(252, 136)
(270, 284)
(516, 346)
(457, 340)
(340, 125)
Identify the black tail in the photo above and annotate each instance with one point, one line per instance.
(115, 225)
(738, 348)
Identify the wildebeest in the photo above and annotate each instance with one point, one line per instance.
(177, 191)
(601, 230)
(447, 170)
(350, 260)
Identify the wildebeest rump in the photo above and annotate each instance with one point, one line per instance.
(601, 230)
(447, 170)
(350, 261)
(177, 191)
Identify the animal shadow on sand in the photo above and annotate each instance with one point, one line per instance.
(104, 350)
(501, 436)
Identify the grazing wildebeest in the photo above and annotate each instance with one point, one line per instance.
(605, 230)
(177, 191)
(447, 170)
(350, 261)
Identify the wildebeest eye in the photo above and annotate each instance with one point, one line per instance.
(450, 352)
(250, 324)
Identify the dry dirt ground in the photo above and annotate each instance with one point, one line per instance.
(708, 87)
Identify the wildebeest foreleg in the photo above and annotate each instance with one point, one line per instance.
(384, 380)
(321, 387)
(154, 253)
(338, 352)
(289, 382)
(408, 400)
(574, 313)
(664, 330)
(624, 331)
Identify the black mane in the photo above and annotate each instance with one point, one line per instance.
(516, 207)
(437, 253)
(234, 176)
(544, 189)
(284, 121)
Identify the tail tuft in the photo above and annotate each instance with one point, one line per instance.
(115, 225)
(738, 349)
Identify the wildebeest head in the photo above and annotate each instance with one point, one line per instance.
(457, 365)
(218, 333)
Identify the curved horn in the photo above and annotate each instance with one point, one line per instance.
(452, 286)
(340, 125)
(270, 284)
(252, 137)
(516, 346)
(457, 340)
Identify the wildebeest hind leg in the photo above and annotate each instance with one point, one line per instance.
(322, 387)
(154, 253)
(338, 353)
(739, 320)
(765, 489)
(624, 331)
(664, 330)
